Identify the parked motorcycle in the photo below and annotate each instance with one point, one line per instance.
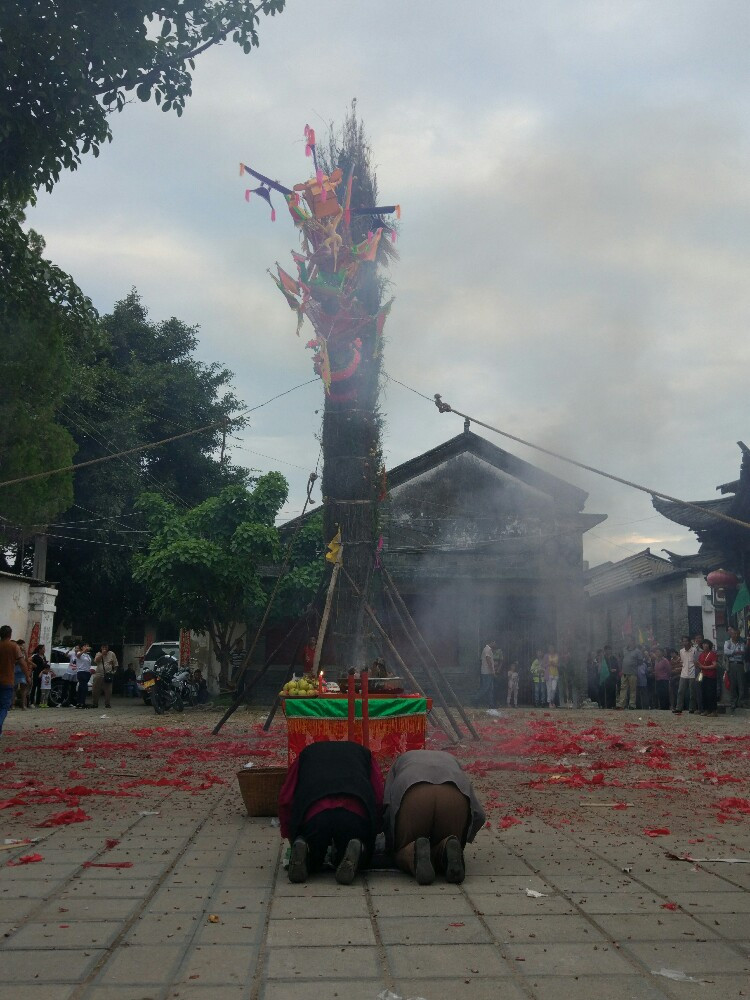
(169, 685)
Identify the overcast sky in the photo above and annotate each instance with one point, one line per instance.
(575, 238)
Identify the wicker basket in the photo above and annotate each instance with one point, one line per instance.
(260, 787)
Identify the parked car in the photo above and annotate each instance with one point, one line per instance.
(169, 647)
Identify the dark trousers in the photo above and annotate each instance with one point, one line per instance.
(69, 688)
(433, 811)
(608, 693)
(337, 827)
(662, 694)
(708, 689)
(6, 700)
(36, 689)
(642, 697)
(83, 687)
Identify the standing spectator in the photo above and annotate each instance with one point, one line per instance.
(10, 654)
(662, 673)
(499, 680)
(675, 664)
(537, 678)
(565, 667)
(734, 658)
(747, 664)
(630, 660)
(105, 664)
(513, 685)
(697, 650)
(551, 665)
(39, 662)
(687, 677)
(83, 674)
(118, 684)
(45, 686)
(70, 679)
(22, 676)
(607, 678)
(131, 686)
(485, 694)
(592, 675)
(308, 656)
(707, 662)
(201, 686)
(642, 699)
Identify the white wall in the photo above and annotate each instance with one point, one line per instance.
(22, 604)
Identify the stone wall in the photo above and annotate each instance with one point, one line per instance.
(659, 604)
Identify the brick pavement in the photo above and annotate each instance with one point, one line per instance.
(75, 933)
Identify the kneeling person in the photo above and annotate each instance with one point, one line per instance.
(333, 795)
(430, 812)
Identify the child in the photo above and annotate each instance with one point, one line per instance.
(642, 697)
(45, 683)
(512, 685)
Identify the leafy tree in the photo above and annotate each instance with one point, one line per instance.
(141, 382)
(42, 315)
(203, 567)
(66, 64)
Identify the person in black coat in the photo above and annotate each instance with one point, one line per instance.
(332, 796)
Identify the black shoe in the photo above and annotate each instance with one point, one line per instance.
(455, 870)
(298, 861)
(423, 870)
(349, 864)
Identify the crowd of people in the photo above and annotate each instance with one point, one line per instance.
(692, 678)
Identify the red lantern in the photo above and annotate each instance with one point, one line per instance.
(722, 579)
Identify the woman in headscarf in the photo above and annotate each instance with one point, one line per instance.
(332, 797)
(430, 812)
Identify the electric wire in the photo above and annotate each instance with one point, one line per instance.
(443, 407)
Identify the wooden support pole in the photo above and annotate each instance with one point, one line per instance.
(326, 615)
(352, 701)
(277, 699)
(428, 670)
(405, 611)
(394, 652)
(364, 691)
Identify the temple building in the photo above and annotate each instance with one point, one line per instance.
(723, 545)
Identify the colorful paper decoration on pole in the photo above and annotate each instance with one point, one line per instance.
(327, 289)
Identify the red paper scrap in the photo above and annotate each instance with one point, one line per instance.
(657, 831)
(27, 859)
(65, 817)
(670, 906)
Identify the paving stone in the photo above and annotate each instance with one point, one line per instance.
(544, 928)
(711, 986)
(727, 925)
(322, 963)
(506, 903)
(220, 965)
(469, 988)
(52, 991)
(61, 934)
(16, 910)
(430, 961)
(107, 888)
(187, 900)
(433, 930)
(320, 931)
(138, 965)
(597, 988)
(455, 905)
(66, 911)
(48, 966)
(713, 902)
(288, 907)
(662, 926)
(163, 928)
(691, 956)
(569, 959)
(608, 902)
(122, 993)
(28, 889)
(193, 992)
(232, 898)
(318, 885)
(320, 989)
(243, 929)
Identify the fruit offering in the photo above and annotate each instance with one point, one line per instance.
(302, 688)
